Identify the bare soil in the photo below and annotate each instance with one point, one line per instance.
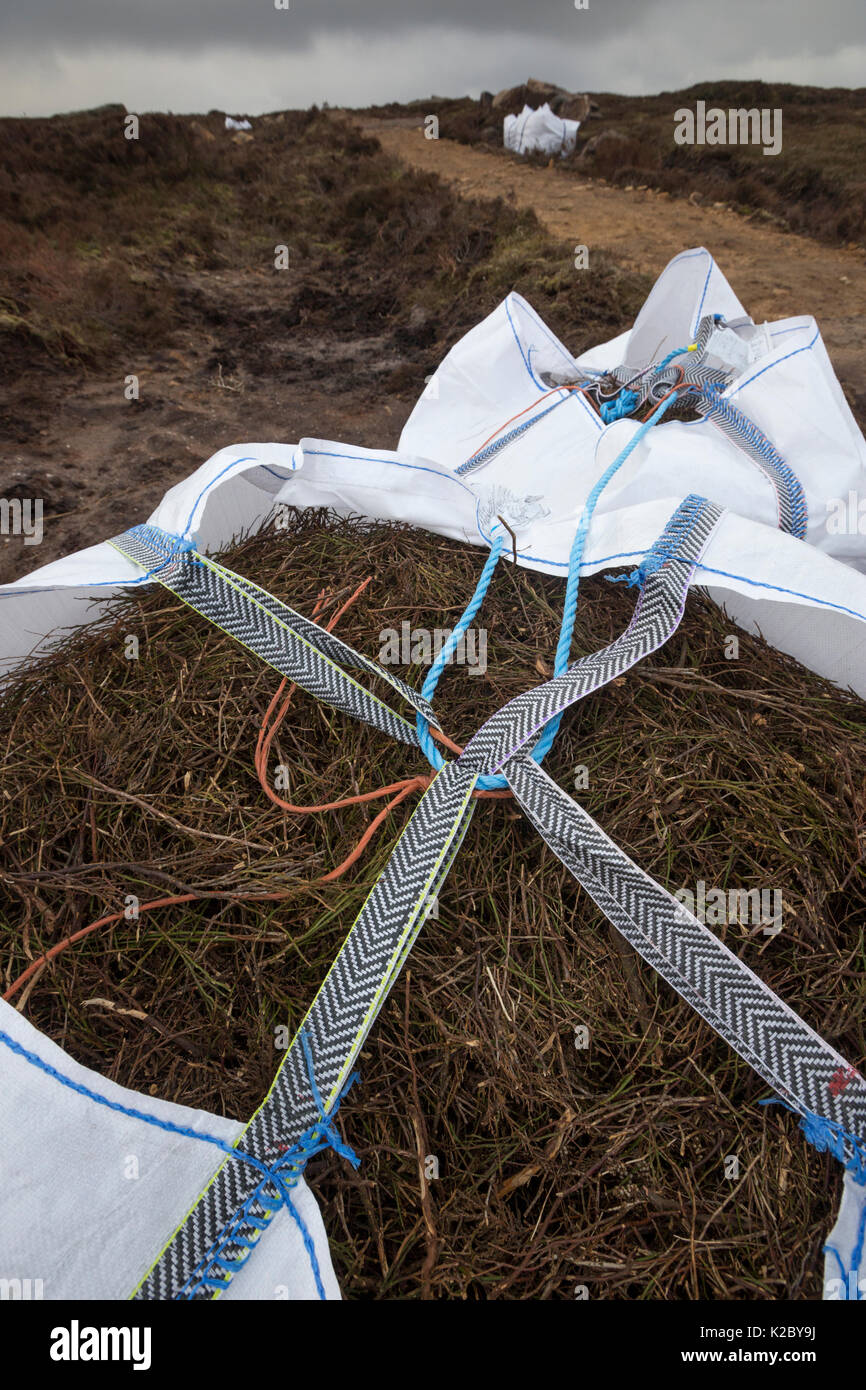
(158, 260)
(775, 273)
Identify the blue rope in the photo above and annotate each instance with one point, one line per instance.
(324, 1134)
(677, 352)
(575, 562)
(569, 612)
(621, 405)
(431, 752)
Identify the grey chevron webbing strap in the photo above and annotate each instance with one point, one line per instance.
(802, 1068)
(790, 497)
(653, 383)
(224, 1225)
(667, 569)
(327, 642)
(740, 430)
(227, 1220)
(780, 1046)
(708, 384)
(295, 646)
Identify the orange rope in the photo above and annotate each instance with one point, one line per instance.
(500, 428)
(85, 931)
(398, 791)
(267, 733)
(118, 916)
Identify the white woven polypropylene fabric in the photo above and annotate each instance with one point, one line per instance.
(845, 1251)
(539, 131)
(809, 598)
(89, 1195)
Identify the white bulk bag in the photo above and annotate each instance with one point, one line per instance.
(807, 596)
(539, 131)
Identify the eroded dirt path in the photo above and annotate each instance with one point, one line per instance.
(774, 273)
(235, 372)
(101, 463)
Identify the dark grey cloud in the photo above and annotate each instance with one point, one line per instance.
(188, 55)
(742, 25)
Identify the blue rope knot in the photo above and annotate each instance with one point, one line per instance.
(827, 1136)
(166, 543)
(321, 1135)
(621, 405)
(635, 580)
(217, 1269)
(286, 1171)
(663, 549)
(638, 578)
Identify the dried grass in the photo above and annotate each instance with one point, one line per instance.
(557, 1166)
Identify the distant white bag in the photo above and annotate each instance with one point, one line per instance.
(539, 130)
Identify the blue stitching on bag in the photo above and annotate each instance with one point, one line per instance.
(284, 1175)
(82, 1090)
(320, 1136)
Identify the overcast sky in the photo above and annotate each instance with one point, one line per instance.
(248, 56)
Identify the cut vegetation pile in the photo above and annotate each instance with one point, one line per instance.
(559, 1166)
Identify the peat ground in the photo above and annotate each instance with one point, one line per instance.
(558, 1166)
